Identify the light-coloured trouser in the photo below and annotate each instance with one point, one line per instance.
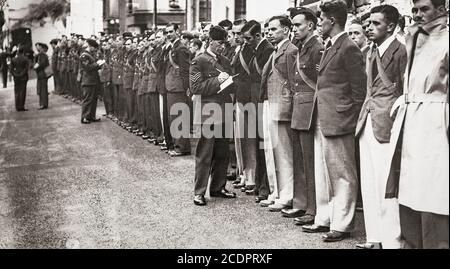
(161, 110)
(237, 148)
(246, 140)
(336, 180)
(283, 152)
(268, 152)
(381, 216)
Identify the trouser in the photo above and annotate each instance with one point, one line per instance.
(304, 181)
(246, 131)
(381, 216)
(178, 109)
(20, 93)
(423, 229)
(123, 111)
(211, 159)
(89, 102)
(131, 107)
(336, 180)
(56, 82)
(42, 89)
(142, 124)
(108, 98)
(116, 98)
(165, 121)
(71, 86)
(153, 118)
(268, 152)
(5, 77)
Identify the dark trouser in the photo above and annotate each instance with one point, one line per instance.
(165, 120)
(131, 107)
(153, 116)
(108, 99)
(42, 89)
(211, 158)
(304, 181)
(20, 93)
(424, 230)
(261, 179)
(116, 98)
(89, 105)
(177, 102)
(65, 83)
(123, 112)
(56, 82)
(5, 77)
(140, 111)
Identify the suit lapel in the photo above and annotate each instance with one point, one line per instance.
(331, 52)
(388, 56)
(281, 50)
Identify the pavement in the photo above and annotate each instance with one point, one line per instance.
(68, 185)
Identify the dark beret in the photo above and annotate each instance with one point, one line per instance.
(218, 33)
(92, 43)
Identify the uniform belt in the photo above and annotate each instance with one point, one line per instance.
(418, 98)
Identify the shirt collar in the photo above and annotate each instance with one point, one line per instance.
(385, 45)
(335, 38)
(281, 43)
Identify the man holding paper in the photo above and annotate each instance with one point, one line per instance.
(90, 82)
(209, 77)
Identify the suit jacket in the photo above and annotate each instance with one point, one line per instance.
(177, 73)
(242, 82)
(161, 64)
(54, 59)
(153, 72)
(204, 82)
(278, 82)
(42, 60)
(128, 70)
(106, 70)
(19, 68)
(341, 87)
(381, 97)
(90, 69)
(117, 62)
(262, 55)
(305, 96)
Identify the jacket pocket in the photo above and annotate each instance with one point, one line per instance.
(344, 108)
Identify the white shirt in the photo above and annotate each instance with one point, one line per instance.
(385, 45)
(335, 38)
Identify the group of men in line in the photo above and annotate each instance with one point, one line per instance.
(331, 110)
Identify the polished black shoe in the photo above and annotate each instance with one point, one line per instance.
(292, 213)
(145, 137)
(315, 229)
(199, 200)
(223, 194)
(247, 188)
(95, 120)
(304, 220)
(85, 121)
(22, 109)
(239, 185)
(252, 191)
(164, 148)
(178, 154)
(259, 199)
(335, 236)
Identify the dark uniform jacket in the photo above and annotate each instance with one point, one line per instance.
(177, 69)
(41, 59)
(19, 68)
(161, 64)
(153, 70)
(341, 87)
(117, 64)
(262, 55)
(308, 60)
(241, 65)
(105, 71)
(128, 68)
(89, 69)
(203, 76)
(54, 60)
(380, 97)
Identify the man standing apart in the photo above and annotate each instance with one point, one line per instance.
(90, 82)
(385, 71)
(19, 70)
(41, 62)
(421, 126)
(341, 89)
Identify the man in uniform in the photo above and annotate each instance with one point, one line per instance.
(19, 70)
(117, 58)
(105, 78)
(208, 71)
(54, 63)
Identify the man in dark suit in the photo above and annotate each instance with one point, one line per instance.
(90, 82)
(341, 89)
(278, 82)
(41, 62)
(303, 125)
(262, 49)
(19, 70)
(177, 84)
(385, 72)
(208, 71)
(54, 62)
(4, 66)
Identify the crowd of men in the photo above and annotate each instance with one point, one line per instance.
(335, 111)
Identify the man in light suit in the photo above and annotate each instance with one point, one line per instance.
(341, 88)
(385, 70)
(278, 82)
(303, 125)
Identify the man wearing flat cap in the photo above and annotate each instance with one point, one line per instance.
(90, 82)
(207, 74)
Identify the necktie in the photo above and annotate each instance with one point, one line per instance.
(329, 44)
(374, 61)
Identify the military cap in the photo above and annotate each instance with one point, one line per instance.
(218, 33)
(92, 42)
(187, 35)
(127, 35)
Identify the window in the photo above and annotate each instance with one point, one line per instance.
(205, 10)
(240, 9)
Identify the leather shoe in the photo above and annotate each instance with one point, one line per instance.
(292, 213)
(251, 192)
(304, 220)
(315, 229)
(223, 194)
(239, 185)
(277, 207)
(145, 137)
(266, 203)
(199, 200)
(334, 236)
(95, 120)
(85, 121)
(247, 188)
(259, 199)
(369, 246)
(178, 154)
